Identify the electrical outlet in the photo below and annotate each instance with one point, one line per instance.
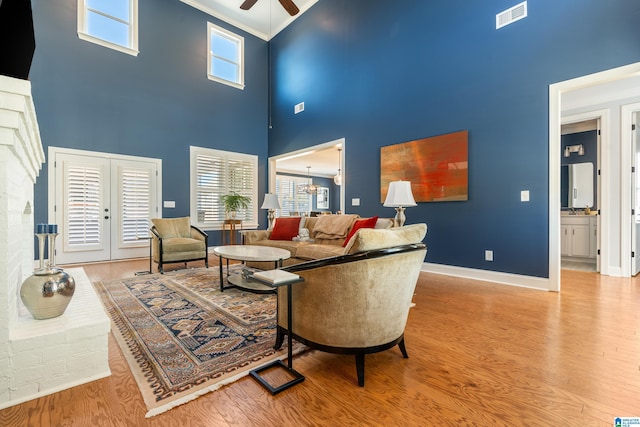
(488, 255)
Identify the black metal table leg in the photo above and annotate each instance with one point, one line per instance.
(297, 377)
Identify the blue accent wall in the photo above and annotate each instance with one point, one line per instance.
(154, 105)
(379, 73)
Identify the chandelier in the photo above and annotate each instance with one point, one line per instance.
(309, 188)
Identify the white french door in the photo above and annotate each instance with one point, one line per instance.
(102, 204)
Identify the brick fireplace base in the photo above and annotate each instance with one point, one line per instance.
(37, 357)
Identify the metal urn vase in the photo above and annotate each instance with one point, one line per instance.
(48, 291)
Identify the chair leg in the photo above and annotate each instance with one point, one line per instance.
(160, 268)
(360, 369)
(403, 349)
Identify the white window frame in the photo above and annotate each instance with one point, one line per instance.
(83, 33)
(303, 202)
(228, 156)
(214, 29)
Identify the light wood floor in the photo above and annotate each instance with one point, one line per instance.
(480, 354)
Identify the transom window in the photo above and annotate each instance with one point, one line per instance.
(215, 173)
(110, 23)
(225, 60)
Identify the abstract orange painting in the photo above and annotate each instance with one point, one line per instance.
(437, 167)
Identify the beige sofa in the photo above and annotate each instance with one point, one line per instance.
(322, 243)
(357, 303)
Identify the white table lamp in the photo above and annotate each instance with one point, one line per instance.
(399, 195)
(271, 203)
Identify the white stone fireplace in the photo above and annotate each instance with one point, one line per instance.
(37, 357)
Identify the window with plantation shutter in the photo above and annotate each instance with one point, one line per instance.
(135, 185)
(215, 173)
(292, 200)
(83, 206)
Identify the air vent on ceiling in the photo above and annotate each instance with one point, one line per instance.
(511, 15)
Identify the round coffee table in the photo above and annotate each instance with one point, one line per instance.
(248, 253)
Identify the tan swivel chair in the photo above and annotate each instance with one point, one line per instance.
(176, 240)
(357, 303)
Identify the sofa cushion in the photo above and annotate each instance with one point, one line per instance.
(368, 239)
(361, 223)
(172, 227)
(181, 244)
(318, 251)
(285, 228)
(289, 245)
(384, 223)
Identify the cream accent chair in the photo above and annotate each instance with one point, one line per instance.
(356, 303)
(176, 240)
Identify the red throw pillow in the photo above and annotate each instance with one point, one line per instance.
(285, 228)
(361, 223)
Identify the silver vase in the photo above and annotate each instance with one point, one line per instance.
(48, 291)
(47, 295)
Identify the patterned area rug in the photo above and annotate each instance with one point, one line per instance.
(183, 338)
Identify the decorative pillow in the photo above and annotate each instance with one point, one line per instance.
(285, 228)
(361, 223)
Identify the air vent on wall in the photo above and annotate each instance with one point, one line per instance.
(511, 15)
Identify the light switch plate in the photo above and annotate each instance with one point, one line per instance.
(169, 204)
(524, 196)
(355, 202)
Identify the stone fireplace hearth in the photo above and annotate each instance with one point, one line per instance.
(37, 357)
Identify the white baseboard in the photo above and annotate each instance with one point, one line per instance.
(488, 276)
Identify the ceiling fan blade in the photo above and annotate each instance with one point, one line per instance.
(290, 7)
(248, 4)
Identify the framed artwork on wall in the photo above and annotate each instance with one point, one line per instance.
(437, 167)
(322, 200)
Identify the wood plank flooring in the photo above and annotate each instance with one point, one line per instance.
(480, 354)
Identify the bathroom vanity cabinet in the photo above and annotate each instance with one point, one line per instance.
(579, 236)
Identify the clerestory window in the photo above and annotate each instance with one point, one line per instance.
(109, 23)
(225, 59)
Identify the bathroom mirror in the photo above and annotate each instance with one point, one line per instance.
(577, 185)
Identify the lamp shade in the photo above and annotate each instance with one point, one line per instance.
(270, 202)
(399, 194)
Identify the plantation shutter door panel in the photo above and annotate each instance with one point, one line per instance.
(85, 191)
(133, 205)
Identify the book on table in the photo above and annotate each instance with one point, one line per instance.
(275, 277)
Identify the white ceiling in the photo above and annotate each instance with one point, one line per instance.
(324, 162)
(265, 19)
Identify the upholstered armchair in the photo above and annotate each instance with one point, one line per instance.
(176, 240)
(356, 303)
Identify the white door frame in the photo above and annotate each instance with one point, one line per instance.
(627, 187)
(272, 168)
(555, 119)
(52, 183)
(602, 190)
